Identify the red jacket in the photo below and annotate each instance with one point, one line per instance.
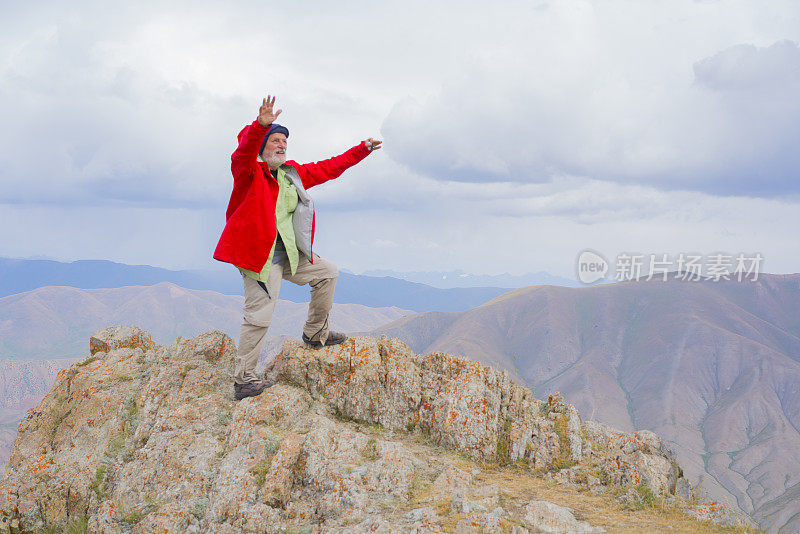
(250, 219)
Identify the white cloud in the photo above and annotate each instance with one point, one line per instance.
(542, 233)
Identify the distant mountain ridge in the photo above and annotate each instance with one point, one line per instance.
(17, 276)
(713, 367)
(460, 278)
(51, 322)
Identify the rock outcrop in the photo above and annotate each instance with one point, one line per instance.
(707, 365)
(361, 437)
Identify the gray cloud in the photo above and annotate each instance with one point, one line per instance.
(732, 130)
(134, 106)
(773, 71)
(85, 126)
(754, 101)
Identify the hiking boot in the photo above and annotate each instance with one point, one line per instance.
(241, 391)
(334, 338)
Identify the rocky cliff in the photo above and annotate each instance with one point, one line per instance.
(22, 386)
(712, 367)
(362, 437)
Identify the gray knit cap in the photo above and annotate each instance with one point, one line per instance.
(274, 128)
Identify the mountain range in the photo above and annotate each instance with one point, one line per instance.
(712, 367)
(460, 278)
(20, 275)
(51, 322)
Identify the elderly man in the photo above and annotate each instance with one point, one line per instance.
(269, 235)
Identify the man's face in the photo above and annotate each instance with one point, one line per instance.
(274, 152)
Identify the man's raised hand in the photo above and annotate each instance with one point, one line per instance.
(373, 144)
(265, 114)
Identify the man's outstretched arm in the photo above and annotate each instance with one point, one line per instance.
(316, 173)
(244, 159)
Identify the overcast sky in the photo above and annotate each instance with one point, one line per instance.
(516, 133)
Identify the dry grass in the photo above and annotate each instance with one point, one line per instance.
(370, 452)
(519, 486)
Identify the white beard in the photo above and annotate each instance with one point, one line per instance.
(275, 160)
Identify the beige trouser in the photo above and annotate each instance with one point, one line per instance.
(258, 307)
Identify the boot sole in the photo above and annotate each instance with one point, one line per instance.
(237, 397)
(318, 345)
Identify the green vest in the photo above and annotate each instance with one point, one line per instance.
(284, 207)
